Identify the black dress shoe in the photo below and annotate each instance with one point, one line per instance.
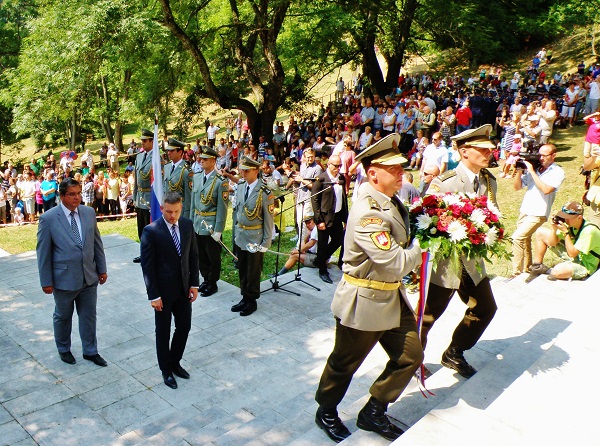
(181, 372)
(202, 287)
(454, 359)
(96, 359)
(249, 308)
(240, 305)
(328, 420)
(67, 357)
(210, 289)
(325, 277)
(169, 380)
(372, 418)
(138, 259)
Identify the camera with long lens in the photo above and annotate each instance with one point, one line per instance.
(531, 153)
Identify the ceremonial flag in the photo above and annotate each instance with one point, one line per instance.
(425, 275)
(156, 188)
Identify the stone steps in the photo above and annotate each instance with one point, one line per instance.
(253, 379)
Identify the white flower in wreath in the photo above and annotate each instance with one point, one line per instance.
(491, 236)
(452, 199)
(457, 231)
(477, 217)
(423, 221)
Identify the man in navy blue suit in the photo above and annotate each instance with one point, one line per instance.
(169, 257)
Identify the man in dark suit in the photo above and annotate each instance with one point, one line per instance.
(170, 267)
(330, 208)
(71, 263)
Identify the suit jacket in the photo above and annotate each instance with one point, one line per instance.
(376, 247)
(210, 200)
(458, 181)
(323, 204)
(62, 262)
(167, 275)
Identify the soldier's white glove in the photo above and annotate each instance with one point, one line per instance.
(261, 248)
(216, 236)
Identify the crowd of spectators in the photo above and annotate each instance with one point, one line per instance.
(426, 110)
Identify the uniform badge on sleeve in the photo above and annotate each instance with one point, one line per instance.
(382, 240)
(225, 195)
(271, 208)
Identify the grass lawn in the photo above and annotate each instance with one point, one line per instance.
(569, 144)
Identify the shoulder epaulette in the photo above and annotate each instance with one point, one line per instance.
(241, 182)
(221, 177)
(373, 203)
(447, 174)
(265, 189)
(486, 172)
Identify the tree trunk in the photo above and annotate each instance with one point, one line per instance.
(73, 130)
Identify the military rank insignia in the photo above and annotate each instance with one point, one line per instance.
(382, 240)
(370, 221)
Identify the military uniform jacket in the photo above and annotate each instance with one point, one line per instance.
(458, 181)
(179, 179)
(376, 247)
(253, 218)
(209, 202)
(143, 180)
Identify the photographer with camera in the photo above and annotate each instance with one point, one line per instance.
(574, 240)
(542, 177)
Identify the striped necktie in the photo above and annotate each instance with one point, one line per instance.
(176, 239)
(75, 229)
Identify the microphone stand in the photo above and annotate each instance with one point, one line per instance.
(298, 276)
(274, 282)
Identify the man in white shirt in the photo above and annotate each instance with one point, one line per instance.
(305, 252)
(593, 99)
(211, 134)
(435, 154)
(541, 184)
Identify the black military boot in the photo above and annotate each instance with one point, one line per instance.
(328, 420)
(372, 418)
(453, 359)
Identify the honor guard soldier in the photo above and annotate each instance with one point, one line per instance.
(472, 284)
(208, 211)
(177, 177)
(370, 304)
(253, 222)
(142, 182)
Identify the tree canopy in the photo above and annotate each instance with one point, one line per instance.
(68, 67)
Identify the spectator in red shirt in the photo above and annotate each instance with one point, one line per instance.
(463, 118)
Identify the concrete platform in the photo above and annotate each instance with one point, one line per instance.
(253, 379)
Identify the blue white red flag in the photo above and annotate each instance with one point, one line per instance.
(156, 188)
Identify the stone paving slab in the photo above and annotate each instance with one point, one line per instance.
(253, 379)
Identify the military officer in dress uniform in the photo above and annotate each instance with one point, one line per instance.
(370, 304)
(177, 177)
(253, 221)
(142, 182)
(472, 284)
(210, 198)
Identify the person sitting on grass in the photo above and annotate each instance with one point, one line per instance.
(306, 252)
(574, 240)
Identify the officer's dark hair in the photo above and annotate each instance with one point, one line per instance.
(171, 198)
(66, 184)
